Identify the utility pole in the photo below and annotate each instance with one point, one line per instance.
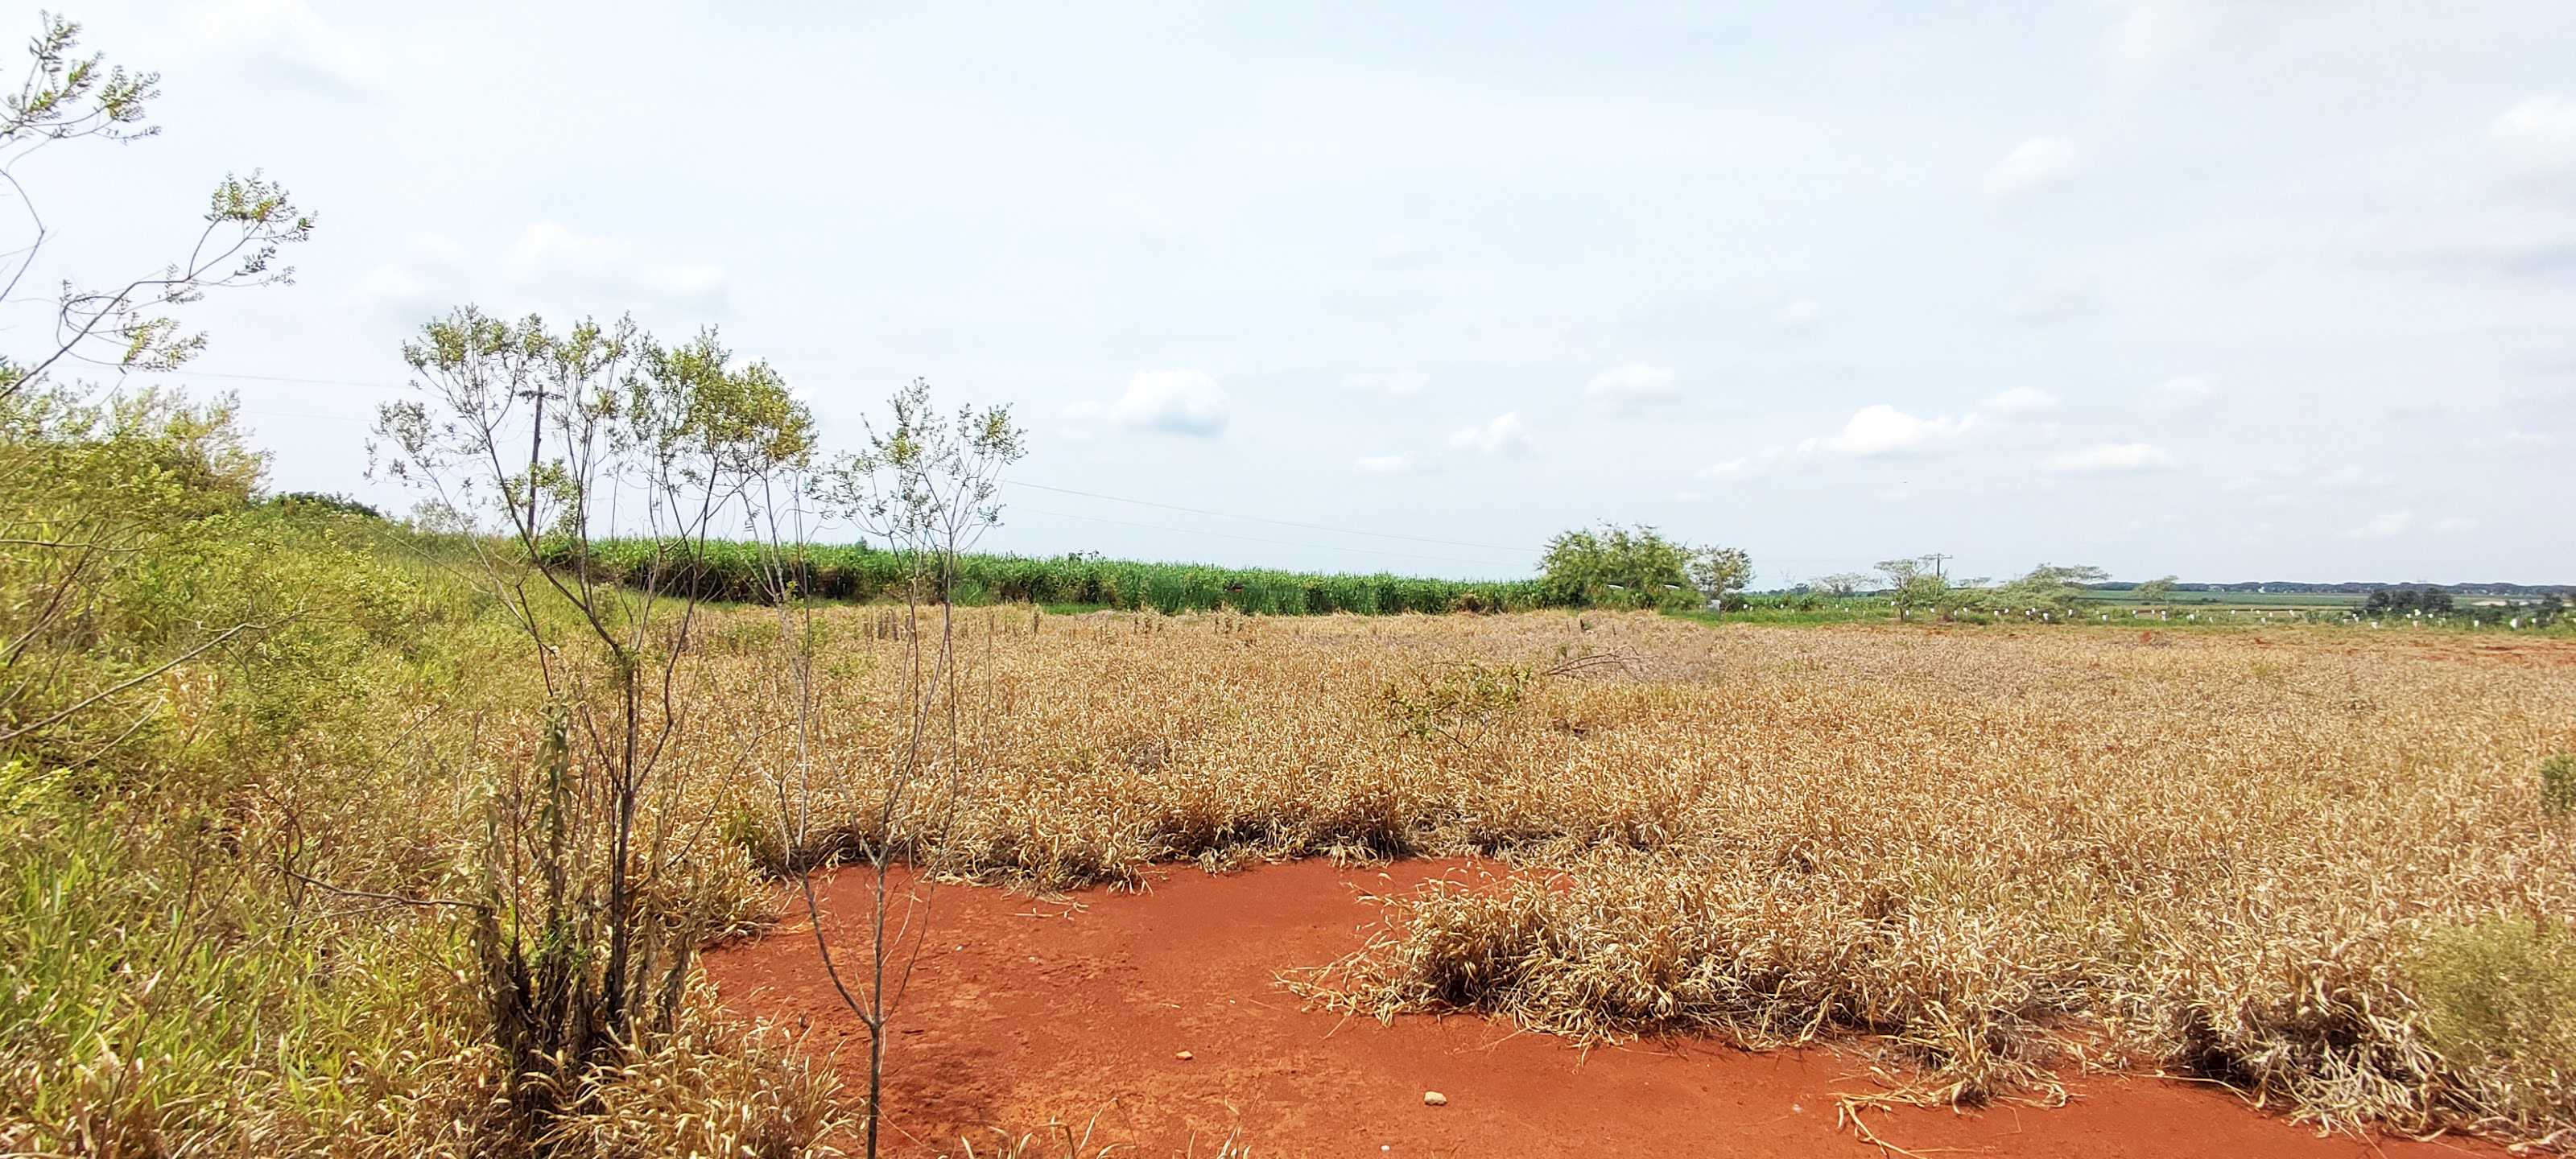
(1935, 560)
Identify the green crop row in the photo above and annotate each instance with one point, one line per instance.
(740, 571)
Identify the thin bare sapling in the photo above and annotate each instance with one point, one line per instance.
(927, 486)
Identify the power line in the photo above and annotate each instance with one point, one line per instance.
(279, 414)
(1256, 539)
(1260, 519)
(270, 378)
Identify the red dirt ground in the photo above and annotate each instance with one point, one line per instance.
(1025, 1011)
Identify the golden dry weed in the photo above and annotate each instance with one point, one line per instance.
(1999, 852)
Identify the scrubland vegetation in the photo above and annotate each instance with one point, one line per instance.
(2318, 866)
(328, 835)
(2285, 864)
(247, 872)
(739, 571)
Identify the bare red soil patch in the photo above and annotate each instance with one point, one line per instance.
(1024, 1011)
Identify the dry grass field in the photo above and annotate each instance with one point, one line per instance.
(2312, 863)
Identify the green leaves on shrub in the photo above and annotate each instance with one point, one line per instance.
(2500, 1004)
(2558, 785)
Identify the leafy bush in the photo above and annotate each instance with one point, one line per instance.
(2558, 785)
(1460, 704)
(1636, 567)
(2500, 1004)
(2050, 593)
(732, 571)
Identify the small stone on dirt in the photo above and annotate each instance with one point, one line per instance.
(1434, 1099)
(1184, 1056)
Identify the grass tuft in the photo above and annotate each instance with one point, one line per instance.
(2558, 784)
(2500, 1005)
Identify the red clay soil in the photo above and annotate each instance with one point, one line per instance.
(1023, 1012)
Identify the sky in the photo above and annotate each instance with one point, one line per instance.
(2259, 289)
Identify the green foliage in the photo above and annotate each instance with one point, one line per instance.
(930, 485)
(733, 571)
(231, 734)
(2558, 785)
(1840, 584)
(2499, 1001)
(107, 511)
(1912, 587)
(1636, 567)
(2049, 593)
(160, 999)
(320, 503)
(1792, 608)
(1461, 703)
(1720, 572)
(2156, 591)
(165, 985)
(545, 431)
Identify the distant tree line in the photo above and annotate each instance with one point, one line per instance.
(2433, 602)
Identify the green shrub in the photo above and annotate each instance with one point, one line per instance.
(737, 572)
(2500, 1005)
(2558, 785)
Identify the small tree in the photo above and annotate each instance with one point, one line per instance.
(1720, 572)
(88, 487)
(1841, 585)
(527, 442)
(2155, 591)
(1636, 567)
(1912, 586)
(2048, 592)
(928, 486)
(125, 324)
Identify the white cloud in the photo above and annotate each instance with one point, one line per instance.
(1885, 430)
(1634, 385)
(434, 273)
(287, 31)
(1406, 383)
(2537, 136)
(1151, 212)
(1745, 468)
(2383, 525)
(2153, 31)
(2178, 393)
(2455, 523)
(1503, 436)
(1384, 465)
(1871, 432)
(2058, 301)
(2032, 164)
(549, 257)
(549, 268)
(2107, 457)
(2021, 400)
(1181, 402)
(1797, 314)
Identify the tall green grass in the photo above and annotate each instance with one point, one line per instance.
(733, 571)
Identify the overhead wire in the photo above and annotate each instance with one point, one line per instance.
(269, 378)
(1258, 539)
(1264, 519)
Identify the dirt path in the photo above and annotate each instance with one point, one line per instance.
(1024, 1011)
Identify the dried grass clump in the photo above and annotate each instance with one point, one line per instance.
(710, 1088)
(1627, 943)
(1998, 852)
